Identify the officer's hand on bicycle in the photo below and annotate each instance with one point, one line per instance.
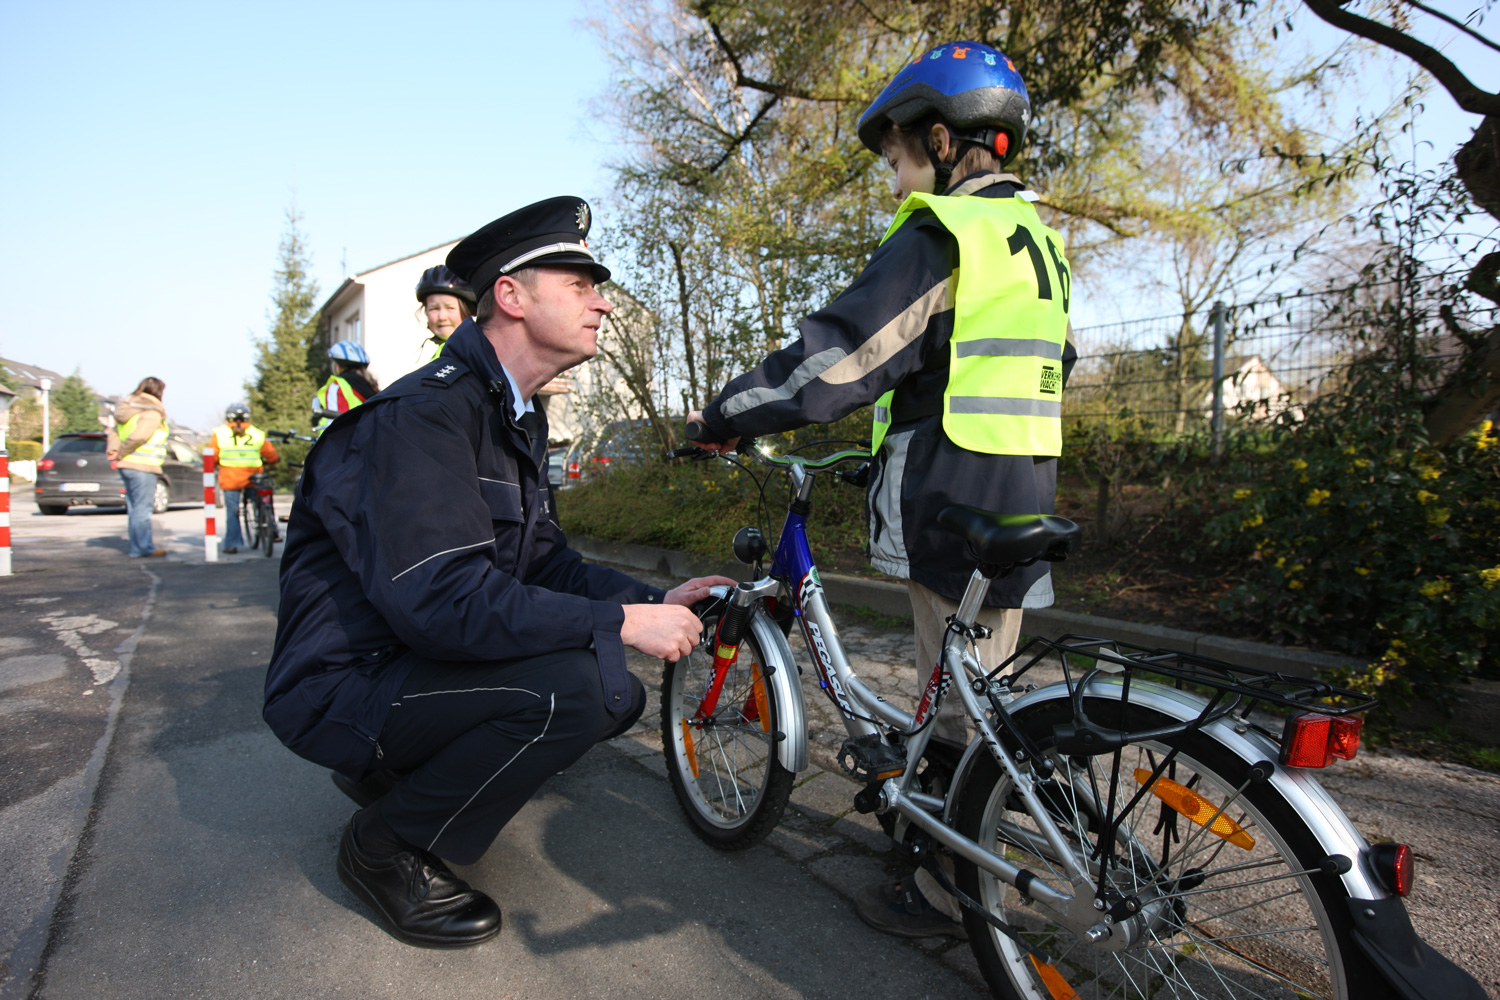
(700, 435)
(661, 631)
(690, 593)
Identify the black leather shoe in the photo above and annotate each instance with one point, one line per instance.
(367, 790)
(418, 899)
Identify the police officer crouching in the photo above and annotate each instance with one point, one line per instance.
(439, 645)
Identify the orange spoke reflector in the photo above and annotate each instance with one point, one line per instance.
(758, 686)
(1196, 808)
(687, 744)
(1053, 980)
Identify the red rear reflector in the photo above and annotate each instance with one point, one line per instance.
(45, 463)
(573, 470)
(1394, 866)
(1313, 740)
(1343, 736)
(1304, 741)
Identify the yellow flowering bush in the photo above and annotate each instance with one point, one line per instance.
(1399, 566)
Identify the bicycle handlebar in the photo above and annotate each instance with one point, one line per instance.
(747, 446)
(284, 436)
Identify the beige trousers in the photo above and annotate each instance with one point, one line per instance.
(930, 613)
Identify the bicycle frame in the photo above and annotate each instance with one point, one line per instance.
(793, 574)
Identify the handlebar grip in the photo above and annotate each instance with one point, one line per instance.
(700, 432)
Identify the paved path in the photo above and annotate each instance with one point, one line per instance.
(157, 842)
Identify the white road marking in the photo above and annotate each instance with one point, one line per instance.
(70, 630)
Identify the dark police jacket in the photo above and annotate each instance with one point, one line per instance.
(423, 526)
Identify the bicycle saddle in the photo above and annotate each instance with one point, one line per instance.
(1004, 541)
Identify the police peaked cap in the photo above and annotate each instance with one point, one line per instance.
(549, 232)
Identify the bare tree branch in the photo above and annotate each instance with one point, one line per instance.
(1456, 23)
(1468, 96)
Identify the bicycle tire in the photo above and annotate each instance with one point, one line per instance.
(1288, 937)
(724, 771)
(246, 514)
(265, 531)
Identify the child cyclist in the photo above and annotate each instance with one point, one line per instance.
(446, 301)
(957, 332)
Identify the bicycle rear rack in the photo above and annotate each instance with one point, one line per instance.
(1227, 688)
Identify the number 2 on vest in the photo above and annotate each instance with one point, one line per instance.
(1022, 239)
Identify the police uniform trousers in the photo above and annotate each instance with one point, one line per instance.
(479, 738)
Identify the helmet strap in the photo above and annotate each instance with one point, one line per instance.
(942, 172)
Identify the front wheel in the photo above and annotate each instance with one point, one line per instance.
(1226, 910)
(161, 499)
(723, 766)
(265, 531)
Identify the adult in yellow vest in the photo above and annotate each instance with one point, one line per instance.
(348, 386)
(242, 451)
(447, 300)
(137, 445)
(957, 331)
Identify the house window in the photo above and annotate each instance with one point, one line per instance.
(352, 330)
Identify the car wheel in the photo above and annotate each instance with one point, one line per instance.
(53, 509)
(162, 499)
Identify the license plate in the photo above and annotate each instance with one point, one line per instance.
(80, 487)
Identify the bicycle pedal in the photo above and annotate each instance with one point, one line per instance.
(870, 758)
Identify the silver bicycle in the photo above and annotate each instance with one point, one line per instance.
(1146, 826)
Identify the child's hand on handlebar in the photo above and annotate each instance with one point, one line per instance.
(700, 435)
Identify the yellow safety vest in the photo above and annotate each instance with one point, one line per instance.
(327, 399)
(241, 452)
(1010, 321)
(154, 451)
(439, 352)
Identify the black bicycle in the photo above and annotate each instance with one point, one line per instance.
(257, 513)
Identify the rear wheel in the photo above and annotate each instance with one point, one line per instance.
(53, 509)
(1226, 910)
(723, 767)
(161, 499)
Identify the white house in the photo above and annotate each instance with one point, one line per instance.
(1247, 379)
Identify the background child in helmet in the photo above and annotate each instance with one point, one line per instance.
(242, 451)
(948, 124)
(348, 386)
(447, 300)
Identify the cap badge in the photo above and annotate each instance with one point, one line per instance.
(582, 216)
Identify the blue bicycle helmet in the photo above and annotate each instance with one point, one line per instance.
(972, 88)
(441, 279)
(349, 352)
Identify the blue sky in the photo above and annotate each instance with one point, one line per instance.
(150, 150)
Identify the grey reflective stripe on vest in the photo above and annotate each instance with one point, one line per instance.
(882, 415)
(1008, 406)
(1004, 347)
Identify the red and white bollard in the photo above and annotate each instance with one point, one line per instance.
(4, 514)
(210, 527)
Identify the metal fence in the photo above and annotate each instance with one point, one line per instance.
(1188, 373)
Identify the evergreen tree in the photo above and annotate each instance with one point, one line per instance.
(74, 406)
(286, 375)
(285, 379)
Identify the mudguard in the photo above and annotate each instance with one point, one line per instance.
(1330, 827)
(780, 670)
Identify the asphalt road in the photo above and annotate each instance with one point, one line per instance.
(157, 841)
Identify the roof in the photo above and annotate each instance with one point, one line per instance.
(30, 376)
